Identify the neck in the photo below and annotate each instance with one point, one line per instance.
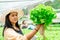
(13, 24)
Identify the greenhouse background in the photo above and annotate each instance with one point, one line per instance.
(52, 32)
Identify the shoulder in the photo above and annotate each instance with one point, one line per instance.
(9, 31)
(11, 34)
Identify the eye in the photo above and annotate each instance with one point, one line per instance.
(12, 15)
(16, 15)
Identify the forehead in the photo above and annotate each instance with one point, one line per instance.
(14, 13)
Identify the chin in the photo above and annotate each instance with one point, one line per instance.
(15, 21)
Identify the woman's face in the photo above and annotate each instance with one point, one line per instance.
(13, 17)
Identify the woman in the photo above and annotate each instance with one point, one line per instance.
(12, 30)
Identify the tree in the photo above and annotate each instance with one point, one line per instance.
(55, 4)
(48, 3)
(25, 11)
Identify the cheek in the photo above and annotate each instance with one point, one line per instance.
(11, 19)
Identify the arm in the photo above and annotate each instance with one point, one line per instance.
(10, 34)
(33, 32)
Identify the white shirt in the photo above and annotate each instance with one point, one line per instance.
(10, 34)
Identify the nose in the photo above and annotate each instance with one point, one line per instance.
(15, 17)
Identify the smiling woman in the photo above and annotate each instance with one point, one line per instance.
(11, 30)
(11, 12)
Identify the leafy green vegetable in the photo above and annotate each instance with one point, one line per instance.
(42, 14)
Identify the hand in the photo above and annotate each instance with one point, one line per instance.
(38, 26)
(42, 29)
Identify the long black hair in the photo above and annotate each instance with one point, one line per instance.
(8, 23)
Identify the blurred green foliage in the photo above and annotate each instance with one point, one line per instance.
(55, 4)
